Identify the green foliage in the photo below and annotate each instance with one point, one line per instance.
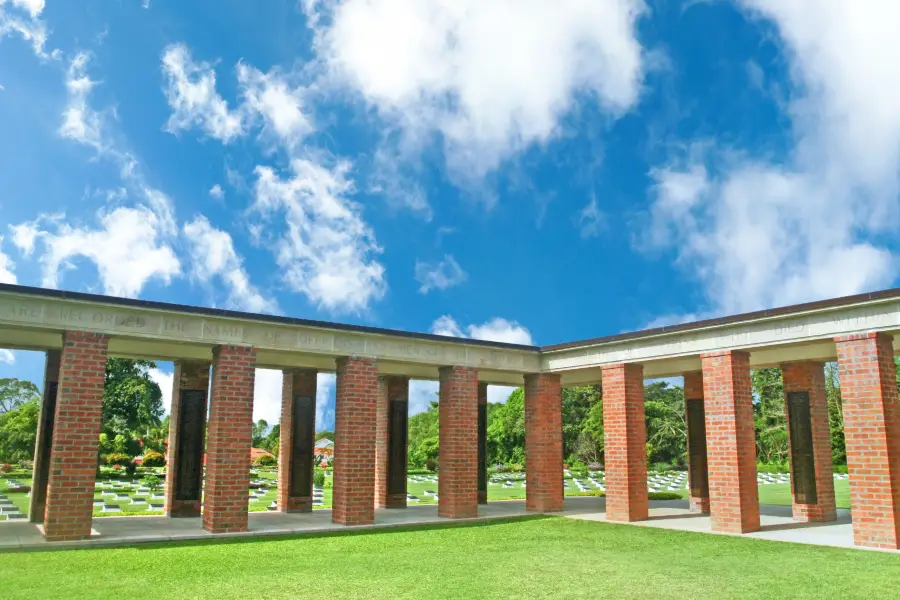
(319, 478)
(153, 459)
(663, 496)
(265, 460)
(260, 431)
(116, 458)
(423, 443)
(666, 428)
(152, 482)
(18, 430)
(506, 430)
(773, 467)
(132, 401)
(324, 434)
(15, 393)
(835, 414)
(771, 434)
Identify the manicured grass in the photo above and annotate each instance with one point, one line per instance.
(780, 493)
(527, 558)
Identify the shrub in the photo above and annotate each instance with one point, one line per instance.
(431, 464)
(577, 465)
(153, 459)
(319, 478)
(117, 459)
(6, 468)
(152, 482)
(265, 460)
(772, 467)
(595, 467)
(842, 469)
(661, 467)
(328, 485)
(663, 496)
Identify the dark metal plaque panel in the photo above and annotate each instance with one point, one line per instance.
(48, 413)
(397, 447)
(696, 423)
(302, 447)
(482, 448)
(192, 424)
(803, 462)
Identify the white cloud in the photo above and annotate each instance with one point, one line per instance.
(81, 123)
(495, 330)
(23, 18)
(440, 275)
(590, 219)
(281, 106)
(326, 251)
(7, 357)
(191, 93)
(128, 249)
(213, 255)
(421, 394)
(6, 267)
(267, 397)
(491, 77)
(165, 381)
(757, 233)
(217, 192)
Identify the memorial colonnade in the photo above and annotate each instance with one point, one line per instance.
(373, 368)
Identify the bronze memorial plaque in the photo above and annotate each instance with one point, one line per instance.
(192, 422)
(47, 420)
(696, 423)
(397, 447)
(482, 448)
(803, 462)
(302, 451)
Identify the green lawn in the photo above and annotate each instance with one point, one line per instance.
(527, 558)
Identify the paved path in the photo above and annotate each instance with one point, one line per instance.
(777, 524)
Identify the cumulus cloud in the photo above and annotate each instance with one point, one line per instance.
(439, 275)
(6, 267)
(267, 398)
(489, 77)
(165, 381)
(128, 248)
(213, 256)
(81, 122)
(759, 233)
(324, 248)
(23, 18)
(191, 93)
(217, 192)
(271, 97)
(495, 330)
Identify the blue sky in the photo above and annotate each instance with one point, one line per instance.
(505, 169)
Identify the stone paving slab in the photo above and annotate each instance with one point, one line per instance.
(777, 524)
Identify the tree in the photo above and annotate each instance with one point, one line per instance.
(18, 429)
(506, 430)
(666, 426)
(271, 443)
(260, 430)
(132, 401)
(423, 437)
(325, 433)
(577, 403)
(835, 414)
(16, 392)
(771, 432)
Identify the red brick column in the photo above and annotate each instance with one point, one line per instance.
(73, 459)
(809, 377)
(44, 439)
(354, 441)
(391, 390)
(696, 442)
(625, 436)
(184, 455)
(730, 442)
(229, 439)
(543, 443)
(458, 453)
(296, 442)
(872, 430)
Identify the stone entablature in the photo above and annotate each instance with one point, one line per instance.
(26, 312)
(56, 315)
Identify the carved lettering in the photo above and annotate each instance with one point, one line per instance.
(314, 341)
(223, 331)
(102, 319)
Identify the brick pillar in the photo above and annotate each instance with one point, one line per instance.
(78, 417)
(698, 473)
(187, 430)
(296, 444)
(354, 441)
(458, 452)
(872, 430)
(730, 442)
(392, 415)
(626, 442)
(543, 443)
(482, 442)
(229, 439)
(44, 441)
(804, 382)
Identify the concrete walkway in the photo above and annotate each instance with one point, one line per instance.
(777, 524)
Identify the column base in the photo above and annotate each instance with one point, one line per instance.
(350, 520)
(699, 505)
(482, 497)
(64, 535)
(183, 509)
(296, 504)
(393, 501)
(813, 513)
